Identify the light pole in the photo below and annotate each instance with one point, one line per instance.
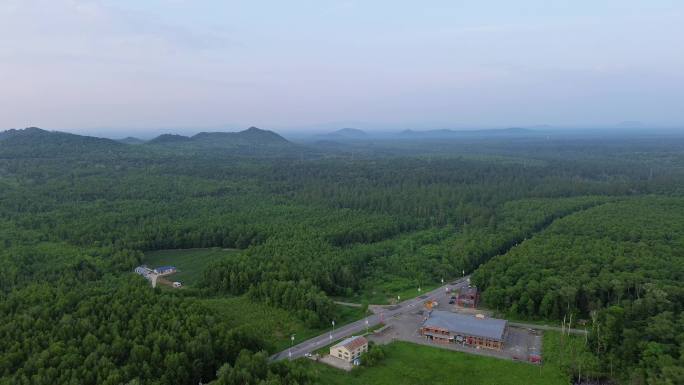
(366, 326)
(291, 345)
(333, 329)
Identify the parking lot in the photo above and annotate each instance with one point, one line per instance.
(519, 343)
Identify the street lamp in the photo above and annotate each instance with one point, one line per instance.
(333, 329)
(366, 325)
(291, 345)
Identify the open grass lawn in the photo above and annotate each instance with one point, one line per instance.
(189, 262)
(386, 292)
(274, 323)
(411, 364)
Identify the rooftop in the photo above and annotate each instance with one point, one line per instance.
(351, 343)
(492, 328)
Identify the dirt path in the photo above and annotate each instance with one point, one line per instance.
(349, 304)
(547, 327)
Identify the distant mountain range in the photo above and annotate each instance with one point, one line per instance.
(34, 141)
(446, 133)
(349, 133)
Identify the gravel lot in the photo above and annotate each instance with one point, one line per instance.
(519, 343)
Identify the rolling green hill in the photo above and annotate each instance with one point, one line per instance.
(252, 140)
(34, 142)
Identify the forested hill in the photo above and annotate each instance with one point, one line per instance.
(250, 138)
(34, 142)
(345, 134)
(169, 139)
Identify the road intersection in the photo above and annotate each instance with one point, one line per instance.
(359, 326)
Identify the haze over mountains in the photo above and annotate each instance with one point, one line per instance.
(250, 137)
(345, 133)
(34, 141)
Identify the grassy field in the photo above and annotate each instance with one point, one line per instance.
(411, 364)
(275, 323)
(386, 292)
(190, 262)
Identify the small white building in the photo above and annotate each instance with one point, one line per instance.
(148, 273)
(165, 270)
(143, 270)
(350, 349)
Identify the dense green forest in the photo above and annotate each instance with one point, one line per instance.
(311, 224)
(619, 267)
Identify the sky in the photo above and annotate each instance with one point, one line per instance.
(127, 65)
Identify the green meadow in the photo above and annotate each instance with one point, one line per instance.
(276, 323)
(411, 364)
(190, 263)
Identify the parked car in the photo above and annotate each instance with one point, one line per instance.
(452, 302)
(307, 355)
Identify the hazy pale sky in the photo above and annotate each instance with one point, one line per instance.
(77, 65)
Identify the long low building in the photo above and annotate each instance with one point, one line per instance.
(446, 327)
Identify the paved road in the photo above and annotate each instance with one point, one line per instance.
(357, 327)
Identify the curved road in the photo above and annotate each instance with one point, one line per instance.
(357, 327)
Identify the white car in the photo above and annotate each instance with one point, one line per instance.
(307, 355)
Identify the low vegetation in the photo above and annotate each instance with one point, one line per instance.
(410, 364)
(278, 324)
